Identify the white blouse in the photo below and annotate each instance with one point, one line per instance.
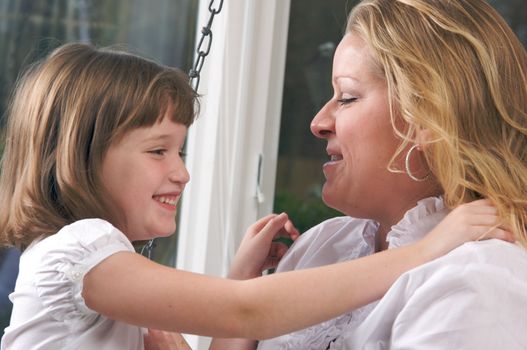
(473, 298)
(48, 309)
(445, 304)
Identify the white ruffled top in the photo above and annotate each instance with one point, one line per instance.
(341, 239)
(48, 309)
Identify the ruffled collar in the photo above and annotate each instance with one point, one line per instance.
(417, 222)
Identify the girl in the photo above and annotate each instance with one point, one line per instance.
(92, 163)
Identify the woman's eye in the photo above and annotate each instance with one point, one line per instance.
(182, 154)
(347, 100)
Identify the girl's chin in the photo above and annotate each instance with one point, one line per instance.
(164, 233)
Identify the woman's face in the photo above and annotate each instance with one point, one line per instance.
(361, 141)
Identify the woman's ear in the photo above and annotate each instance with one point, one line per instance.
(423, 137)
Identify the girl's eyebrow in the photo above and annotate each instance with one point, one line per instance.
(157, 137)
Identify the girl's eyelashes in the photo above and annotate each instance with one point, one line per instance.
(158, 151)
(163, 151)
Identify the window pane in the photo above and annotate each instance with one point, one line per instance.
(315, 28)
(159, 29)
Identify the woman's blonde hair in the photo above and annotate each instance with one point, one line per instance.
(65, 113)
(456, 69)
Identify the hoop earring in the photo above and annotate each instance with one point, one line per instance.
(407, 165)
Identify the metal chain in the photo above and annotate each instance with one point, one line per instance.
(204, 44)
(147, 249)
(202, 50)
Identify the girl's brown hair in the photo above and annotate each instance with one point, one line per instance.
(65, 113)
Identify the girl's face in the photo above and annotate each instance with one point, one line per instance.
(144, 176)
(361, 141)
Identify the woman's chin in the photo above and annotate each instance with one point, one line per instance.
(329, 199)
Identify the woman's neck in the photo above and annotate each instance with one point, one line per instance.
(380, 238)
(389, 219)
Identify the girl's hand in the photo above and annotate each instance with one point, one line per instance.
(472, 221)
(161, 340)
(263, 246)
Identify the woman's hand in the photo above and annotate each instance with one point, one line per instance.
(472, 221)
(161, 340)
(263, 246)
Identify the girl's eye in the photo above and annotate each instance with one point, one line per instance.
(182, 154)
(347, 100)
(158, 152)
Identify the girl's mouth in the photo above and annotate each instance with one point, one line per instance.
(168, 201)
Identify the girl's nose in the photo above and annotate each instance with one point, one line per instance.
(323, 124)
(179, 172)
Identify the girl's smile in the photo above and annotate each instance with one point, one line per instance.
(168, 201)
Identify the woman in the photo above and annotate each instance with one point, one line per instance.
(429, 111)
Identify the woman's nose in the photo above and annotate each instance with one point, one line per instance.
(323, 124)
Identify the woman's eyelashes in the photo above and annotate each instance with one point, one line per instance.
(346, 100)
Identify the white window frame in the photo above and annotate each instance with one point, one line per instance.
(235, 137)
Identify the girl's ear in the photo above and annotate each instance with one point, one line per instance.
(423, 137)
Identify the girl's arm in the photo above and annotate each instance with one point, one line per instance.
(255, 255)
(130, 288)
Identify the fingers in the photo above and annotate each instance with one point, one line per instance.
(291, 230)
(260, 224)
(287, 235)
(481, 207)
(498, 233)
(273, 226)
(161, 340)
(277, 223)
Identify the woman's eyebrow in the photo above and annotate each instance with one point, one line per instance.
(345, 77)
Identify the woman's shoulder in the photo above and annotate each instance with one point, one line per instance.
(339, 224)
(487, 257)
(336, 239)
(476, 268)
(456, 301)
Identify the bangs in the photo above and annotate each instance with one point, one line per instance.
(169, 86)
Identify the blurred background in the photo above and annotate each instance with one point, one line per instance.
(165, 30)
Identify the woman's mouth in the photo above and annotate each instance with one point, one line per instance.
(330, 166)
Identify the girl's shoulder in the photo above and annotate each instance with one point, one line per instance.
(53, 268)
(81, 244)
(85, 234)
(90, 231)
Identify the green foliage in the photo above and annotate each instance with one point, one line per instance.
(304, 212)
